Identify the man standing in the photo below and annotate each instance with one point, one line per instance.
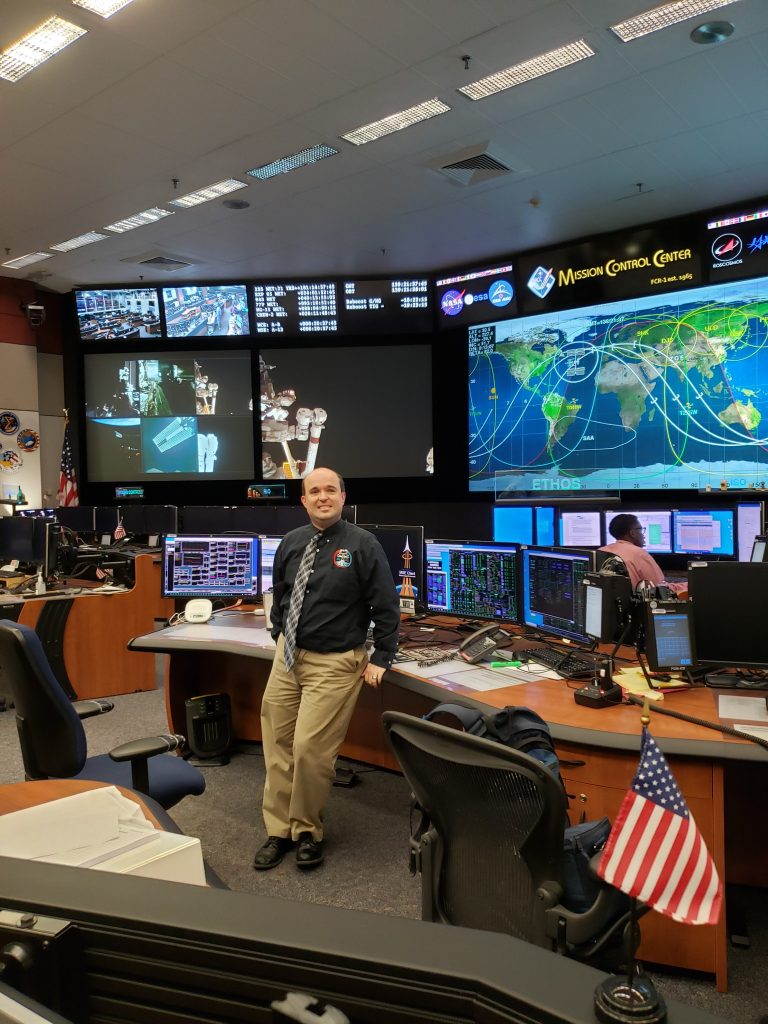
(329, 580)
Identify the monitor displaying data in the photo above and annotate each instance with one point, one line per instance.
(118, 314)
(186, 414)
(657, 526)
(198, 565)
(472, 580)
(749, 523)
(200, 311)
(664, 391)
(580, 529)
(553, 591)
(269, 546)
(544, 518)
(513, 523)
(705, 532)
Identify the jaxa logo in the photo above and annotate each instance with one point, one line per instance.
(342, 558)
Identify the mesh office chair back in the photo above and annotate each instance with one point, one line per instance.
(497, 818)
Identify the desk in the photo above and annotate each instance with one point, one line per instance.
(85, 635)
(598, 752)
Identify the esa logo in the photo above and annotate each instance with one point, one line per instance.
(565, 484)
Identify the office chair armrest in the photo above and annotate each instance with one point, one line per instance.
(89, 708)
(140, 750)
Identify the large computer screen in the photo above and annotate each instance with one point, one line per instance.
(749, 523)
(180, 414)
(514, 524)
(728, 603)
(210, 566)
(581, 529)
(117, 314)
(553, 591)
(472, 580)
(657, 526)
(647, 393)
(205, 310)
(404, 548)
(704, 532)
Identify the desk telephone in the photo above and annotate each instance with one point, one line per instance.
(481, 643)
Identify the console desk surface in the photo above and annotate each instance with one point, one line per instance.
(598, 751)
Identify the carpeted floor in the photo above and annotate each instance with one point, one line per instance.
(367, 842)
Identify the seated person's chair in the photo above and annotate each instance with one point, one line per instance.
(53, 743)
(492, 856)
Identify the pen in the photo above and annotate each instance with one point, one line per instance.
(505, 664)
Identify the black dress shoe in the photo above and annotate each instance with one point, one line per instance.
(271, 853)
(309, 852)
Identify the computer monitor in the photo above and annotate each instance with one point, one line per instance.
(213, 566)
(553, 592)
(544, 517)
(656, 523)
(106, 518)
(472, 580)
(269, 546)
(17, 539)
(669, 641)
(580, 529)
(207, 519)
(704, 532)
(149, 520)
(608, 600)
(749, 523)
(759, 549)
(513, 524)
(80, 518)
(728, 603)
(404, 548)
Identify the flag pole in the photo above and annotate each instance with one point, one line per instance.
(632, 999)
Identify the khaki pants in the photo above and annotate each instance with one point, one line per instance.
(304, 719)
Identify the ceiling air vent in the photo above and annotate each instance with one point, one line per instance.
(163, 263)
(474, 165)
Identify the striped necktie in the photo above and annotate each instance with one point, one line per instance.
(297, 599)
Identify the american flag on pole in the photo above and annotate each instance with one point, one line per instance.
(655, 852)
(67, 494)
(119, 530)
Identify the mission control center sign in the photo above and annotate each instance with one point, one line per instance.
(617, 266)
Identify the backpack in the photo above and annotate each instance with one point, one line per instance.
(525, 730)
(520, 728)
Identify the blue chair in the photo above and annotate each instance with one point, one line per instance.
(52, 738)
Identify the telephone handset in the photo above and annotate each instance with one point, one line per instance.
(480, 643)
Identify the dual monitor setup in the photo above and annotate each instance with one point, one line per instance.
(725, 532)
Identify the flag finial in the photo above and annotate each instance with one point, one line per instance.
(645, 718)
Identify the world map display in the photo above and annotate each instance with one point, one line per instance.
(660, 392)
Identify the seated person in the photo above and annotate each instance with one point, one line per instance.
(629, 545)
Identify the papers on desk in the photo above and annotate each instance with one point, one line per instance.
(475, 677)
(754, 709)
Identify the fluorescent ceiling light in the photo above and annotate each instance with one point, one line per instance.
(527, 70)
(24, 261)
(396, 122)
(41, 44)
(204, 195)
(138, 220)
(292, 162)
(664, 16)
(106, 8)
(75, 243)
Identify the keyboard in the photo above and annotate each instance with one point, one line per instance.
(563, 662)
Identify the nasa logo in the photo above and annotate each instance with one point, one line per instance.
(452, 302)
(342, 558)
(501, 293)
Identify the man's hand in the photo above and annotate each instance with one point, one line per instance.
(373, 674)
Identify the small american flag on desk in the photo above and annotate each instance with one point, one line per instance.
(119, 531)
(67, 495)
(655, 852)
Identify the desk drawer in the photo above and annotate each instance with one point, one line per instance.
(615, 769)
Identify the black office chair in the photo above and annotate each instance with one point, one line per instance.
(491, 854)
(53, 742)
